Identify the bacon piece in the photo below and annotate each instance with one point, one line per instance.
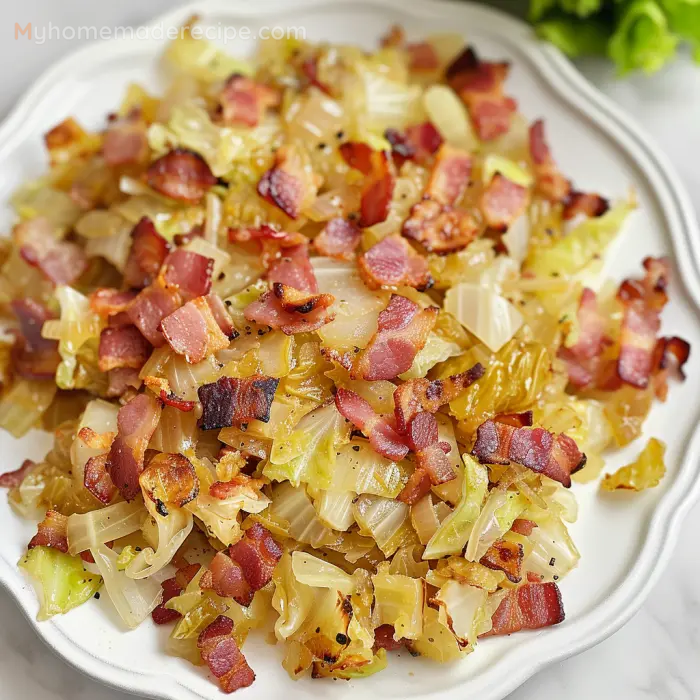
(587, 203)
(418, 395)
(309, 69)
(549, 182)
(59, 261)
(150, 307)
(230, 401)
(440, 229)
(107, 302)
(169, 480)
(242, 101)
(502, 202)
(146, 255)
(517, 420)
(161, 387)
(268, 311)
(262, 232)
(418, 143)
(192, 331)
(338, 240)
(378, 188)
(384, 639)
(241, 483)
(523, 527)
(417, 486)
(288, 185)
(125, 140)
(402, 331)
(294, 270)
(293, 300)
(529, 607)
(431, 453)
(33, 356)
(11, 480)
(189, 272)
(393, 262)
(583, 358)
(223, 657)
(136, 423)
(480, 86)
(382, 435)
(450, 175)
(674, 353)
(52, 532)
(422, 57)
(506, 557)
(119, 380)
(555, 456)
(96, 479)
(225, 578)
(181, 174)
(122, 347)
(173, 587)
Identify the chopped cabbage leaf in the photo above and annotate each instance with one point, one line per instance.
(292, 599)
(460, 607)
(318, 573)
(334, 508)
(398, 601)
(295, 507)
(436, 350)
(644, 473)
(386, 521)
(89, 530)
(23, 405)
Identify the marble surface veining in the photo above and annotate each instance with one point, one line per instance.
(655, 656)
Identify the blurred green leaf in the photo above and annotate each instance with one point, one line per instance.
(575, 37)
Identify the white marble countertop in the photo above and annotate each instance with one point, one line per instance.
(655, 655)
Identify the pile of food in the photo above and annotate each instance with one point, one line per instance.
(315, 340)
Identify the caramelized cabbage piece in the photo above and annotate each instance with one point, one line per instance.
(644, 473)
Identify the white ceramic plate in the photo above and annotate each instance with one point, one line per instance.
(624, 541)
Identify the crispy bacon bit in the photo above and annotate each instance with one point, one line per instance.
(136, 423)
(586, 203)
(394, 38)
(11, 480)
(126, 141)
(293, 300)
(338, 240)
(583, 358)
(529, 607)
(268, 311)
(171, 399)
(506, 557)
(52, 532)
(124, 346)
(550, 183)
(431, 453)
(244, 102)
(230, 401)
(402, 331)
(555, 456)
(480, 86)
(288, 185)
(146, 256)
(169, 480)
(241, 483)
(173, 587)
(417, 486)
(60, 261)
(502, 202)
(419, 142)
(670, 354)
(450, 175)
(189, 272)
(33, 356)
(294, 269)
(192, 331)
(382, 435)
(225, 578)
(119, 380)
(107, 301)
(422, 57)
(517, 420)
(223, 657)
(97, 481)
(181, 174)
(263, 232)
(393, 262)
(418, 395)
(439, 228)
(523, 527)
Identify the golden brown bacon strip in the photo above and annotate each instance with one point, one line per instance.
(11, 480)
(241, 483)
(418, 142)
(223, 657)
(384, 639)
(549, 182)
(523, 527)
(338, 240)
(96, 479)
(393, 263)
(417, 486)
(189, 272)
(173, 587)
(555, 456)
(169, 480)
(52, 532)
(294, 269)
(107, 301)
(418, 395)
(529, 607)
(181, 174)
(33, 356)
(242, 101)
(268, 311)
(670, 354)
(126, 141)
(146, 255)
(506, 557)
(450, 175)
(480, 86)
(402, 331)
(136, 423)
(585, 203)
(502, 202)
(293, 300)
(193, 330)
(124, 346)
(59, 261)
(230, 401)
(382, 435)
